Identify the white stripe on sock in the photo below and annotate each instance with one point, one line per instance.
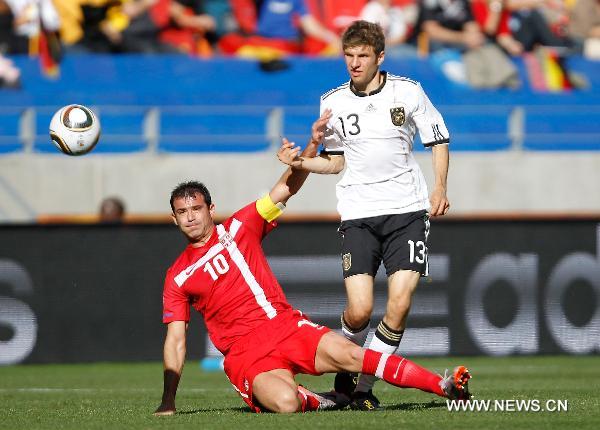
(381, 366)
(366, 382)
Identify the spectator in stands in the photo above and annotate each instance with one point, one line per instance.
(462, 52)
(86, 26)
(109, 25)
(273, 28)
(146, 26)
(584, 25)
(184, 25)
(71, 20)
(10, 75)
(449, 24)
(493, 18)
(129, 26)
(397, 21)
(530, 26)
(6, 28)
(112, 211)
(22, 21)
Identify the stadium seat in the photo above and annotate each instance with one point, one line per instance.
(478, 128)
(9, 130)
(241, 129)
(122, 129)
(297, 123)
(216, 103)
(562, 128)
(42, 141)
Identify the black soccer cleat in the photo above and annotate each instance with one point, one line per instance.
(345, 383)
(364, 401)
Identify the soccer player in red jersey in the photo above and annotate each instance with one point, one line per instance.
(223, 273)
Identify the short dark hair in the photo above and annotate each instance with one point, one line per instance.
(190, 189)
(364, 33)
(112, 210)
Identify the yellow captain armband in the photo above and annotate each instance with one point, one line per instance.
(267, 209)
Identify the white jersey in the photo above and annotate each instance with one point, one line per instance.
(375, 133)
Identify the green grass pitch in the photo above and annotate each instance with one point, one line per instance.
(111, 396)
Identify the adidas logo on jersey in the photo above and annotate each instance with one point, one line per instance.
(371, 108)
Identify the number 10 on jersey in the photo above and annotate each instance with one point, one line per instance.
(218, 267)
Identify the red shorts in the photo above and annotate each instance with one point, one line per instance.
(289, 341)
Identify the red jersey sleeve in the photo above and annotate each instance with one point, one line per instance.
(255, 223)
(176, 305)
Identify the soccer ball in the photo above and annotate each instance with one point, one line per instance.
(75, 130)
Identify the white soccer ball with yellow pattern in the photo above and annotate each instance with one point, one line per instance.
(75, 130)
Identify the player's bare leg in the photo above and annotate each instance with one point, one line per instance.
(336, 353)
(359, 289)
(401, 287)
(277, 391)
(355, 324)
(389, 332)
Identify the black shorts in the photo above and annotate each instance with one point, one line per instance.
(400, 241)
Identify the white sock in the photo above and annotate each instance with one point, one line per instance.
(358, 336)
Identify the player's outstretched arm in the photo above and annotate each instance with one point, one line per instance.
(438, 199)
(174, 359)
(292, 179)
(308, 160)
(323, 164)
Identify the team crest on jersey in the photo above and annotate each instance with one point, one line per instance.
(225, 239)
(398, 116)
(346, 261)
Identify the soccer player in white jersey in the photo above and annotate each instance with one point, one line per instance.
(382, 197)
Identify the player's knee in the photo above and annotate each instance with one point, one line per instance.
(357, 316)
(357, 353)
(349, 356)
(286, 402)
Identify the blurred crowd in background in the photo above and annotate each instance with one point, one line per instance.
(271, 29)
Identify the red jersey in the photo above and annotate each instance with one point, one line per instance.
(228, 280)
(480, 9)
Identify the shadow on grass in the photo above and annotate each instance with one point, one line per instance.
(201, 411)
(415, 406)
(398, 407)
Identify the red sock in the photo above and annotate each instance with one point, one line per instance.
(401, 372)
(308, 401)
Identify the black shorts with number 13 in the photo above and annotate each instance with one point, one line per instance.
(399, 240)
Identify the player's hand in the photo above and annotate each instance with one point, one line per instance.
(318, 128)
(473, 39)
(165, 409)
(439, 202)
(203, 23)
(288, 153)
